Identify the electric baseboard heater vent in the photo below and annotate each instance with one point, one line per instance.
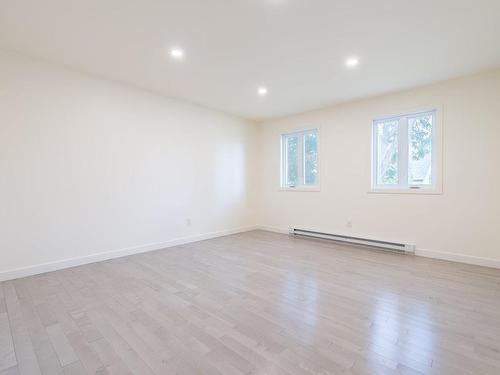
(391, 246)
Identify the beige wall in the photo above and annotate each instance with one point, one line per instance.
(89, 166)
(463, 221)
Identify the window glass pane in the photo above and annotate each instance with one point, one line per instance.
(310, 158)
(292, 162)
(420, 150)
(387, 152)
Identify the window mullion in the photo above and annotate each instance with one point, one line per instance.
(403, 152)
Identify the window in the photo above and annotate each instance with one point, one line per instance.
(299, 160)
(404, 152)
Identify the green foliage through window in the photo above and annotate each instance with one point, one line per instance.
(300, 159)
(387, 146)
(421, 136)
(292, 160)
(310, 158)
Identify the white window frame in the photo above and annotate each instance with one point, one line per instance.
(436, 157)
(301, 187)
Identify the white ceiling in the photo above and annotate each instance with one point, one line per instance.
(296, 48)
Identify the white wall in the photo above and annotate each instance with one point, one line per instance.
(90, 166)
(464, 221)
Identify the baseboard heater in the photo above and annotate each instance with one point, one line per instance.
(391, 246)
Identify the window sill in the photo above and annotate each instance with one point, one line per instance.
(300, 189)
(406, 191)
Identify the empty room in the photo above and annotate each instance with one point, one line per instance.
(249, 187)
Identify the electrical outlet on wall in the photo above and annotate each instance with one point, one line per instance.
(188, 222)
(349, 224)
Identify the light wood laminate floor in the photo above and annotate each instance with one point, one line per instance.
(254, 303)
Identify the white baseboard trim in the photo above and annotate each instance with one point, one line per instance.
(79, 261)
(459, 258)
(97, 257)
(272, 229)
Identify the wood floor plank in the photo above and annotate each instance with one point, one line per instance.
(27, 362)
(64, 351)
(75, 368)
(10, 371)
(87, 356)
(45, 353)
(7, 354)
(254, 303)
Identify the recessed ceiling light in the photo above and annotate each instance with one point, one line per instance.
(176, 53)
(262, 91)
(352, 62)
